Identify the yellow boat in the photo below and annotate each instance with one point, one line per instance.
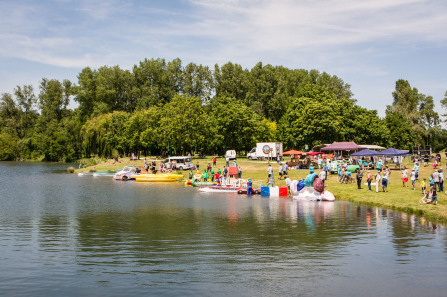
(162, 177)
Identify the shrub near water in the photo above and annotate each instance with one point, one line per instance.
(70, 169)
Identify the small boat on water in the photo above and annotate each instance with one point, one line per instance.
(162, 177)
(105, 173)
(99, 173)
(221, 189)
(196, 183)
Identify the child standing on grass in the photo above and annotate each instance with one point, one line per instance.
(405, 177)
(423, 186)
(413, 178)
(434, 197)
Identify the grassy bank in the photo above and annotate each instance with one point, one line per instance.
(397, 197)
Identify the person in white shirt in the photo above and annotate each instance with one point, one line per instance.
(323, 175)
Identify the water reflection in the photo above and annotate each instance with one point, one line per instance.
(171, 240)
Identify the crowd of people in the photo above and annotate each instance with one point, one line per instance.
(214, 174)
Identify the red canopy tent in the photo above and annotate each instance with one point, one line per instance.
(314, 153)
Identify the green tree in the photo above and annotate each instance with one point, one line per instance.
(26, 101)
(198, 82)
(399, 127)
(233, 125)
(182, 124)
(9, 115)
(325, 118)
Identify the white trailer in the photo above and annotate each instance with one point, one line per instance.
(264, 150)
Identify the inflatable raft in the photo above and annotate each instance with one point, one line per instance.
(169, 177)
(309, 194)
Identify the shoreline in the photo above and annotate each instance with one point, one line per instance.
(397, 198)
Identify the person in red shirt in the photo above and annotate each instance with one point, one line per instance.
(214, 162)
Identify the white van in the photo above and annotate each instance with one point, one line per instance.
(230, 154)
(182, 163)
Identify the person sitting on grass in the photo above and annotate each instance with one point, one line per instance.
(426, 198)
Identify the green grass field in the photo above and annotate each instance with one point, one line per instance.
(397, 197)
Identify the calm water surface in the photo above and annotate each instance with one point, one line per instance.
(64, 235)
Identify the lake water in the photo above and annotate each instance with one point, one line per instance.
(64, 235)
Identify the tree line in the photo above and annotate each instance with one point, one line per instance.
(162, 107)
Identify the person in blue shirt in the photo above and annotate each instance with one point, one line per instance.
(249, 187)
(416, 169)
(379, 165)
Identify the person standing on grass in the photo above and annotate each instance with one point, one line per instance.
(423, 186)
(359, 177)
(280, 170)
(379, 165)
(436, 179)
(385, 181)
(441, 180)
(416, 169)
(212, 174)
(214, 162)
(270, 171)
(413, 178)
(225, 172)
(378, 177)
(434, 197)
(369, 179)
(405, 177)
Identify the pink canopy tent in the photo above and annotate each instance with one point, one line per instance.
(342, 146)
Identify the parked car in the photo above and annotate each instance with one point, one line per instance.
(182, 163)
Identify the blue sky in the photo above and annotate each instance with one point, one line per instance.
(368, 43)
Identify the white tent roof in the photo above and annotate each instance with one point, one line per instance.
(372, 146)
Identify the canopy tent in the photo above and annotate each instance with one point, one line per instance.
(366, 153)
(342, 146)
(292, 152)
(314, 153)
(372, 147)
(392, 152)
